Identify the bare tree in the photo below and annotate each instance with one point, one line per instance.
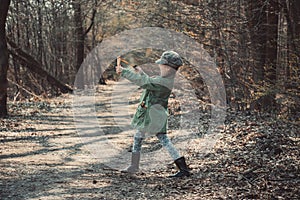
(3, 58)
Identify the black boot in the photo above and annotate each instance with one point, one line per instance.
(184, 170)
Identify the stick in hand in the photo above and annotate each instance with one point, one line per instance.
(119, 61)
(119, 67)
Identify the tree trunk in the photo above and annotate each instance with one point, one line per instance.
(292, 9)
(256, 14)
(79, 43)
(271, 42)
(3, 58)
(270, 75)
(40, 35)
(263, 26)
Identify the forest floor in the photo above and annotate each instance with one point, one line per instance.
(43, 157)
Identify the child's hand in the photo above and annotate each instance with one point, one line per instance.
(138, 70)
(119, 69)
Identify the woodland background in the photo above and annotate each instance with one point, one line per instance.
(255, 44)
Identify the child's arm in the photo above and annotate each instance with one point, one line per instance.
(141, 79)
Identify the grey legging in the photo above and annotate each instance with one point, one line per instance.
(164, 140)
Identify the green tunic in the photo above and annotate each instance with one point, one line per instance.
(152, 112)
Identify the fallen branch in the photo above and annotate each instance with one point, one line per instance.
(34, 66)
(25, 90)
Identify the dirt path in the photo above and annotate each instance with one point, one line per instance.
(42, 156)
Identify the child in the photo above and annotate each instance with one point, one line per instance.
(151, 114)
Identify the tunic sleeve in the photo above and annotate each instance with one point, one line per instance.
(142, 80)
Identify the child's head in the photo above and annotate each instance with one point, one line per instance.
(169, 63)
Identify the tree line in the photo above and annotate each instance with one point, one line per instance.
(254, 43)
